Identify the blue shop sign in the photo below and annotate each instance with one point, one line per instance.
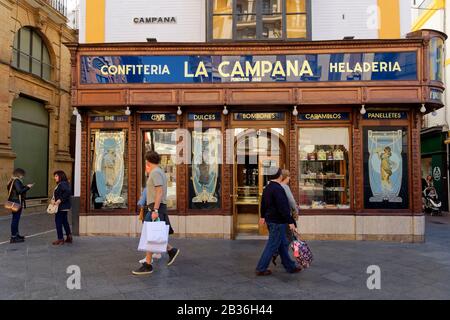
(376, 66)
(159, 117)
(324, 116)
(382, 115)
(213, 116)
(258, 116)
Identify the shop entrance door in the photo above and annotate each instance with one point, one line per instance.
(257, 152)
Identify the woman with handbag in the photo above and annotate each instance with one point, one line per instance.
(61, 199)
(16, 202)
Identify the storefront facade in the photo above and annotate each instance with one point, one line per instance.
(343, 116)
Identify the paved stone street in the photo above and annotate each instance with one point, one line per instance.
(220, 269)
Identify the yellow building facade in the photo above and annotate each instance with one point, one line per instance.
(35, 111)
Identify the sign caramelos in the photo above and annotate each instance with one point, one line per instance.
(147, 20)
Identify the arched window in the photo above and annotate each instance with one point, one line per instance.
(30, 53)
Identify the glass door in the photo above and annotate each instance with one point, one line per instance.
(256, 150)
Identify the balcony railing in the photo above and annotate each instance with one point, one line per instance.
(58, 5)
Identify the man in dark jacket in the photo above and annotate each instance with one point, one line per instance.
(276, 213)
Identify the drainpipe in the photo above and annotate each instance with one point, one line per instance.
(77, 179)
(446, 78)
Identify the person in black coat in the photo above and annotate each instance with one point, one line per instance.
(17, 193)
(61, 197)
(276, 213)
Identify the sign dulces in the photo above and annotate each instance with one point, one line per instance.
(213, 116)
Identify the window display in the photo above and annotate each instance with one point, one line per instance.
(163, 141)
(385, 168)
(323, 168)
(205, 169)
(109, 167)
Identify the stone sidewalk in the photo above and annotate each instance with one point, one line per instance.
(223, 269)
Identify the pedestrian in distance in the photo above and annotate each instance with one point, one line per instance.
(61, 198)
(157, 208)
(17, 195)
(276, 213)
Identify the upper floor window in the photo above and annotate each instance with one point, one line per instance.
(30, 53)
(258, 19)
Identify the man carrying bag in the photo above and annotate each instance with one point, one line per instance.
(156, 201)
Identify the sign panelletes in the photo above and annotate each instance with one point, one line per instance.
(383, 115)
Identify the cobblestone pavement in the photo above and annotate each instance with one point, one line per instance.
(221, 269)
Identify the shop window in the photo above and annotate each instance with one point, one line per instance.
(436, 59)
(323, 168)
(205, 169)
(109, 169)
(385, 168)
(163, 141)
(258, 19)
(30, 53)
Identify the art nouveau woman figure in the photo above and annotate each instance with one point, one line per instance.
(386, 168)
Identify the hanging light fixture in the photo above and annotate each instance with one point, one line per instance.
(179, 111)
(225, 110)
(128, 111)
(423, 109)
(295, 111)
(363, 109)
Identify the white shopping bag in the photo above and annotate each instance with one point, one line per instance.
(157, 232)
(146, 246)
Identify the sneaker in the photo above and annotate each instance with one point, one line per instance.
(20, 237)
(16, 240)
(143, 270)
(173, 253)
(143, 260)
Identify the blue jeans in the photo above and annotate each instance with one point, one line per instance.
(277, 243)
(62, 221)
(15, 223)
